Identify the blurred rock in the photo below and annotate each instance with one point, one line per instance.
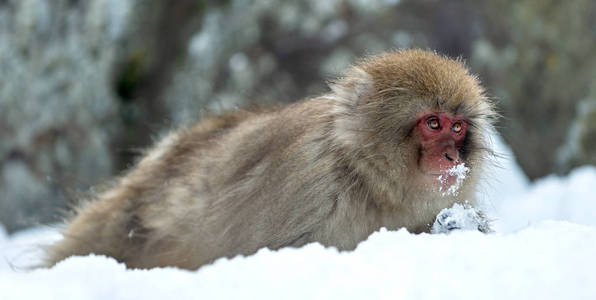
(538, 58)
(580, 147)
(56, 108)
(262, 52)
(153, 45)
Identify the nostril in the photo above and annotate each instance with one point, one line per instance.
(448, 157)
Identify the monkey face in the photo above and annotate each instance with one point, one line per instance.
(441, 136)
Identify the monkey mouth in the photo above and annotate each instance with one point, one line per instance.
(449, 181)
(435, 174)
(442, 178)
(457, 171)
(438, 173)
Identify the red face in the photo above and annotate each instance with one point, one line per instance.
(442, 136)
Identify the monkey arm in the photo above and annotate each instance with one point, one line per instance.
(461, 217)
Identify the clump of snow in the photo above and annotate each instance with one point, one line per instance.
(459, 217)
(460, 172)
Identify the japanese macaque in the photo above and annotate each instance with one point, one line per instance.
(381, 149)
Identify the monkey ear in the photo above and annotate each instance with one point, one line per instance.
(355, 88)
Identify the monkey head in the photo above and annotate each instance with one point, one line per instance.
(416, 115)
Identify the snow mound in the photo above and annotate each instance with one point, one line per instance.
(571, 198)
(512, 203)
(551, 260)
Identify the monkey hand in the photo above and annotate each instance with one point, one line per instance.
(460, 217)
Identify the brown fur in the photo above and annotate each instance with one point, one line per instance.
(332, 169)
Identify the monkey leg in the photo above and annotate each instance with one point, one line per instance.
(101, 227)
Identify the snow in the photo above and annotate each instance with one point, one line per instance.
(542, 248)
(459, 171)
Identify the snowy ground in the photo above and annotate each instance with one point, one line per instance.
(544, 248)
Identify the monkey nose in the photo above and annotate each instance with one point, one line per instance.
(448, 157)
(451, 155)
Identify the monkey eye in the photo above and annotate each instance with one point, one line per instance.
(433, 123)
(456, 127)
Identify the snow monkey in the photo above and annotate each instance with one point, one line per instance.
(378, 150)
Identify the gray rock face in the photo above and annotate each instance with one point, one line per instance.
(540, 65)
(56, 107)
